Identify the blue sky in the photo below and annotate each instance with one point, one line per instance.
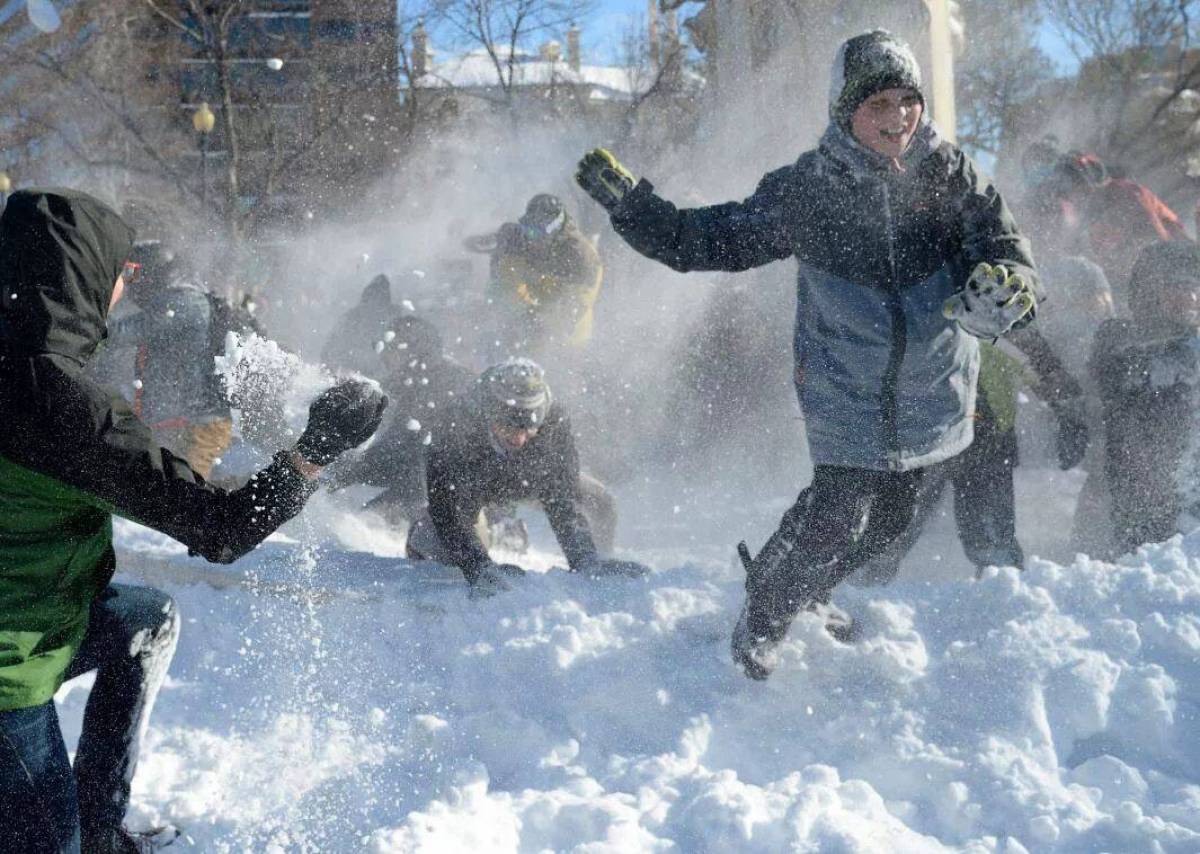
(603, 31)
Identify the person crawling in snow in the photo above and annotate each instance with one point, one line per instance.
(506, 442)
(1148, 371)
(907, 256)
(72, 455)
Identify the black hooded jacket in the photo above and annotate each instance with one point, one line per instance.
(465, 473)
(60, 253)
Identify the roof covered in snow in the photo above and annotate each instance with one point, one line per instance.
(477, 70)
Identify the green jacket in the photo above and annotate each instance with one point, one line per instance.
(72, 453)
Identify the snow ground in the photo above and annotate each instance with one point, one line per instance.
(338, 698)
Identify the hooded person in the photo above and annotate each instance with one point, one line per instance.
(546, 276)
(176, 335)
(350, 346)
(71, 456)
(508, 441)
(907, 257)
(1147, 368)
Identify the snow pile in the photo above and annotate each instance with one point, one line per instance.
(339, 700)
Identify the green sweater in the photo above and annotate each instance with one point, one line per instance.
(55, 556)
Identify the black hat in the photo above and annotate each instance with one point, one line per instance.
(514, 393)
(155, 265)
(544, 213)
(867, 64)
(409, 334)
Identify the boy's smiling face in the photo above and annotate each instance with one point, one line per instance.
(887, 121)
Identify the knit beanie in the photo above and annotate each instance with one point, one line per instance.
(868, 64)
(515, 393)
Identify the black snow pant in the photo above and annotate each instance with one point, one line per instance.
(985, 511)
(842, 520)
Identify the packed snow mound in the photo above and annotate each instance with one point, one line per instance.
(334, 700)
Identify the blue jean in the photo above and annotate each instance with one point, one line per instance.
(48, 806)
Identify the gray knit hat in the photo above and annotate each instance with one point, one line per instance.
(514, 393)
(865, 65)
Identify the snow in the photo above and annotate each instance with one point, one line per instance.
(329, 695)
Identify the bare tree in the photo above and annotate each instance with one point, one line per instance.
(1138, 59)
(502, 27)
(1000, 69)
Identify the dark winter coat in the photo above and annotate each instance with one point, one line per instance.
(885, 380)
(1148, 380)
(71, 454)
(351, 344)
(418, 395)
(466, 472)
(174, 361)
(552, 283)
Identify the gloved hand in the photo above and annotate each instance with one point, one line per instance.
(993, 301)
(604, 178)
(610, 568)
(492, 578)
(1072, 438)
(341, 418)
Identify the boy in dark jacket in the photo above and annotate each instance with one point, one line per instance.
(507, 442)
(545, 278)
(1148, 371)
(907, 255)
(177, 334)
(71, 456)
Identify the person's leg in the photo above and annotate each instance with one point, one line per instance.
(600, 507)
(841, 521)
(883, 568)
(40, 813)
(130, 641)
(984, 501)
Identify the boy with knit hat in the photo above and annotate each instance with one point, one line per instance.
(507, 442)
(907, 256)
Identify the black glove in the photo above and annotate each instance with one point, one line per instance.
(341, 418)
(604, 178)
(1072, 439)
(610, 568)
(492, 578)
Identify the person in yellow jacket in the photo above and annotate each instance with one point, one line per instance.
(545, 278)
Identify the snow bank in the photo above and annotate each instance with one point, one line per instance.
(337, 700)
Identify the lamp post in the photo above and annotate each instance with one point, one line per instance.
(204, 121)
(5, 189)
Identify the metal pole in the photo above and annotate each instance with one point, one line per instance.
(204, 174)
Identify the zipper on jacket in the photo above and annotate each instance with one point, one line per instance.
(891, 375)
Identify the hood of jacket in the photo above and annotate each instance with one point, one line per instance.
(840, 145)
(61, 252)
(377, 294)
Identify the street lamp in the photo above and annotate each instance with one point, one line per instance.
(204, 121)
(5, 188)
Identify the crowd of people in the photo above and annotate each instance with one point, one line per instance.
(921, 318)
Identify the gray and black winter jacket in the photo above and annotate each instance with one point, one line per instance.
(885, 381)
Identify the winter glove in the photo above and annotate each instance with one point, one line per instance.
(604, 178)
(1072, 438)
(993, 301)
(609, 568)
(341, 418)
(492, 578)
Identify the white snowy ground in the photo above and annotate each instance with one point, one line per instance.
(388, 712)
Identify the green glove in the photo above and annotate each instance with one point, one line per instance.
(604, 178)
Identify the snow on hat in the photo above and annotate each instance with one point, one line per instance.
(867, 64)
(514, 393)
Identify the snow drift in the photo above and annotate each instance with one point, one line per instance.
(335, 697)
